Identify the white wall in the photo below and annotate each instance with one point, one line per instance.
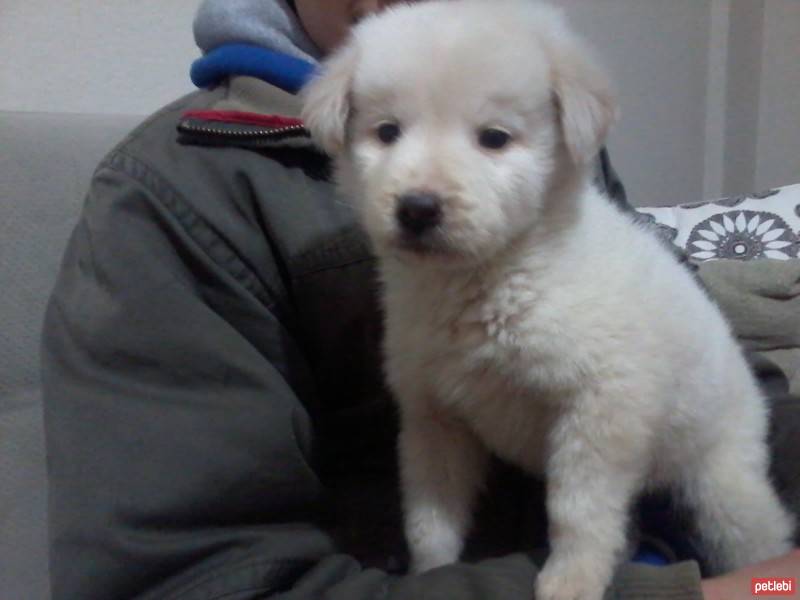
(710, 93)
(778, 140)
(109, 56)
(742, 94)
(709, 89)
(657, 53)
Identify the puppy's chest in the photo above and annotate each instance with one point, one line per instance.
(479, 354)
(455, 326)
(490, 337)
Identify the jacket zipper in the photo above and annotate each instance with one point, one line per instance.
(243, 133)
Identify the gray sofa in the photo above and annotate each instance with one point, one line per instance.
(46, 161)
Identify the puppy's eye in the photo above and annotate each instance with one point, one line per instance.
(388, 132)
(494, 138)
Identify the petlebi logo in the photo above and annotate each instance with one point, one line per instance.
(773, 586)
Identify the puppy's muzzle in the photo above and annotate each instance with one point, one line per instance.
(418, 213)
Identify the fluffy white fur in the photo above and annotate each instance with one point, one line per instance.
(536, 321)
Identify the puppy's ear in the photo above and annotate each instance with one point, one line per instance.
(326, 100)
(586, 103)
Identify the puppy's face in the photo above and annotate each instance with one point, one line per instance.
(451, 122)
(449, 161)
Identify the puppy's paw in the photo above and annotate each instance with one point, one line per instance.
(566, 580)
(431, 553)
(433, 542)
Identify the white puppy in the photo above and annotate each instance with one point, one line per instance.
(525, 314)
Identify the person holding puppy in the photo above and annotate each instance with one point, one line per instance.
(216, 421)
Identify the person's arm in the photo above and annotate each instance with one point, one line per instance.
(177, 439)
(180, 448)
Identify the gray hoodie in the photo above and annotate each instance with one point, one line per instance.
(271, 24)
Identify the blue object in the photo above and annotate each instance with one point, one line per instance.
(650, 557)
(286, 72)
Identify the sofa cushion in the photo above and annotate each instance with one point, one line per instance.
(46, 161)
(758, 226)
(761, 299)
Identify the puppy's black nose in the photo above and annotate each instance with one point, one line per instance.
(417, 213)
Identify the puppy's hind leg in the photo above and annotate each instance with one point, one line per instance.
(739, 516)
(442, 467)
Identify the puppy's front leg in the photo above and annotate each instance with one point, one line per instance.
(597, 459)
(442, 467)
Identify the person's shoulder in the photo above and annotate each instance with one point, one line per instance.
(215, 190)
(238, 163)
(237, 124)
(152, 144)
(162, 124)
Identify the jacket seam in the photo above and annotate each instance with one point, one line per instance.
(177, 105)
(217, 250)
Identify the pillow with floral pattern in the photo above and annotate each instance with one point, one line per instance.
(758, 226)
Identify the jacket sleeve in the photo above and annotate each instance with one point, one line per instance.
(180, 447)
